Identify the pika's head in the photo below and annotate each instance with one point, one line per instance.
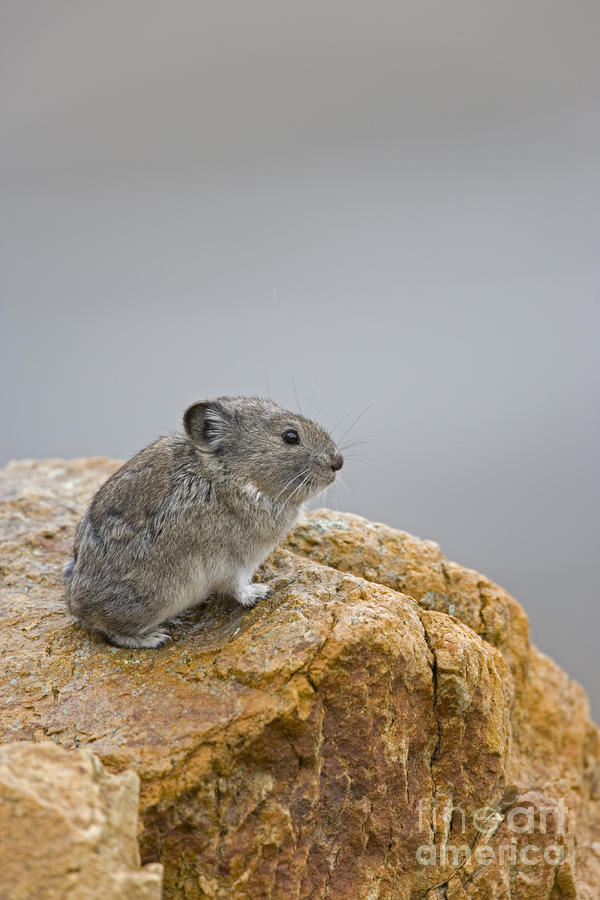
(276, 452)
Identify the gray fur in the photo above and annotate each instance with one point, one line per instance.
(192, 515)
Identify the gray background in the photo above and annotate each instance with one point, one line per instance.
(394, 206)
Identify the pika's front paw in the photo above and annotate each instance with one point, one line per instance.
(250, 594)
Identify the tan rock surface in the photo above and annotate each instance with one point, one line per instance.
(339, 740)
(68, 828)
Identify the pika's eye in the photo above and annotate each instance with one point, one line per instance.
(291, 437)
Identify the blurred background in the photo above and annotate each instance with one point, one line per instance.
(390, 210)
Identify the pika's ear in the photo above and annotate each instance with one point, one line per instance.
(205, 423)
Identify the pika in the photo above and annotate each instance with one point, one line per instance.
(192, 515)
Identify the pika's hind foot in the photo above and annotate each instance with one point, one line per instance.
(148, 641)
(250, 594)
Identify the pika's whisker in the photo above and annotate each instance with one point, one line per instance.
(296, 395)
(354, 457)
(339, 422)
(346, 478)
(294, 492)
(360, 442)
(355, 422)
(312, 394)
(290, 482)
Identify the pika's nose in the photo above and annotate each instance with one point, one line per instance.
(337, 461)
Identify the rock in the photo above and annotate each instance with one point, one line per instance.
(68, 828)
(381, 727)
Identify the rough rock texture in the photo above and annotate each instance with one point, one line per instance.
(379, 728)
(68, 828)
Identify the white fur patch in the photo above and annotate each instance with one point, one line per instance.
(252, 491)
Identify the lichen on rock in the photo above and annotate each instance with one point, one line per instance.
(377, 729)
